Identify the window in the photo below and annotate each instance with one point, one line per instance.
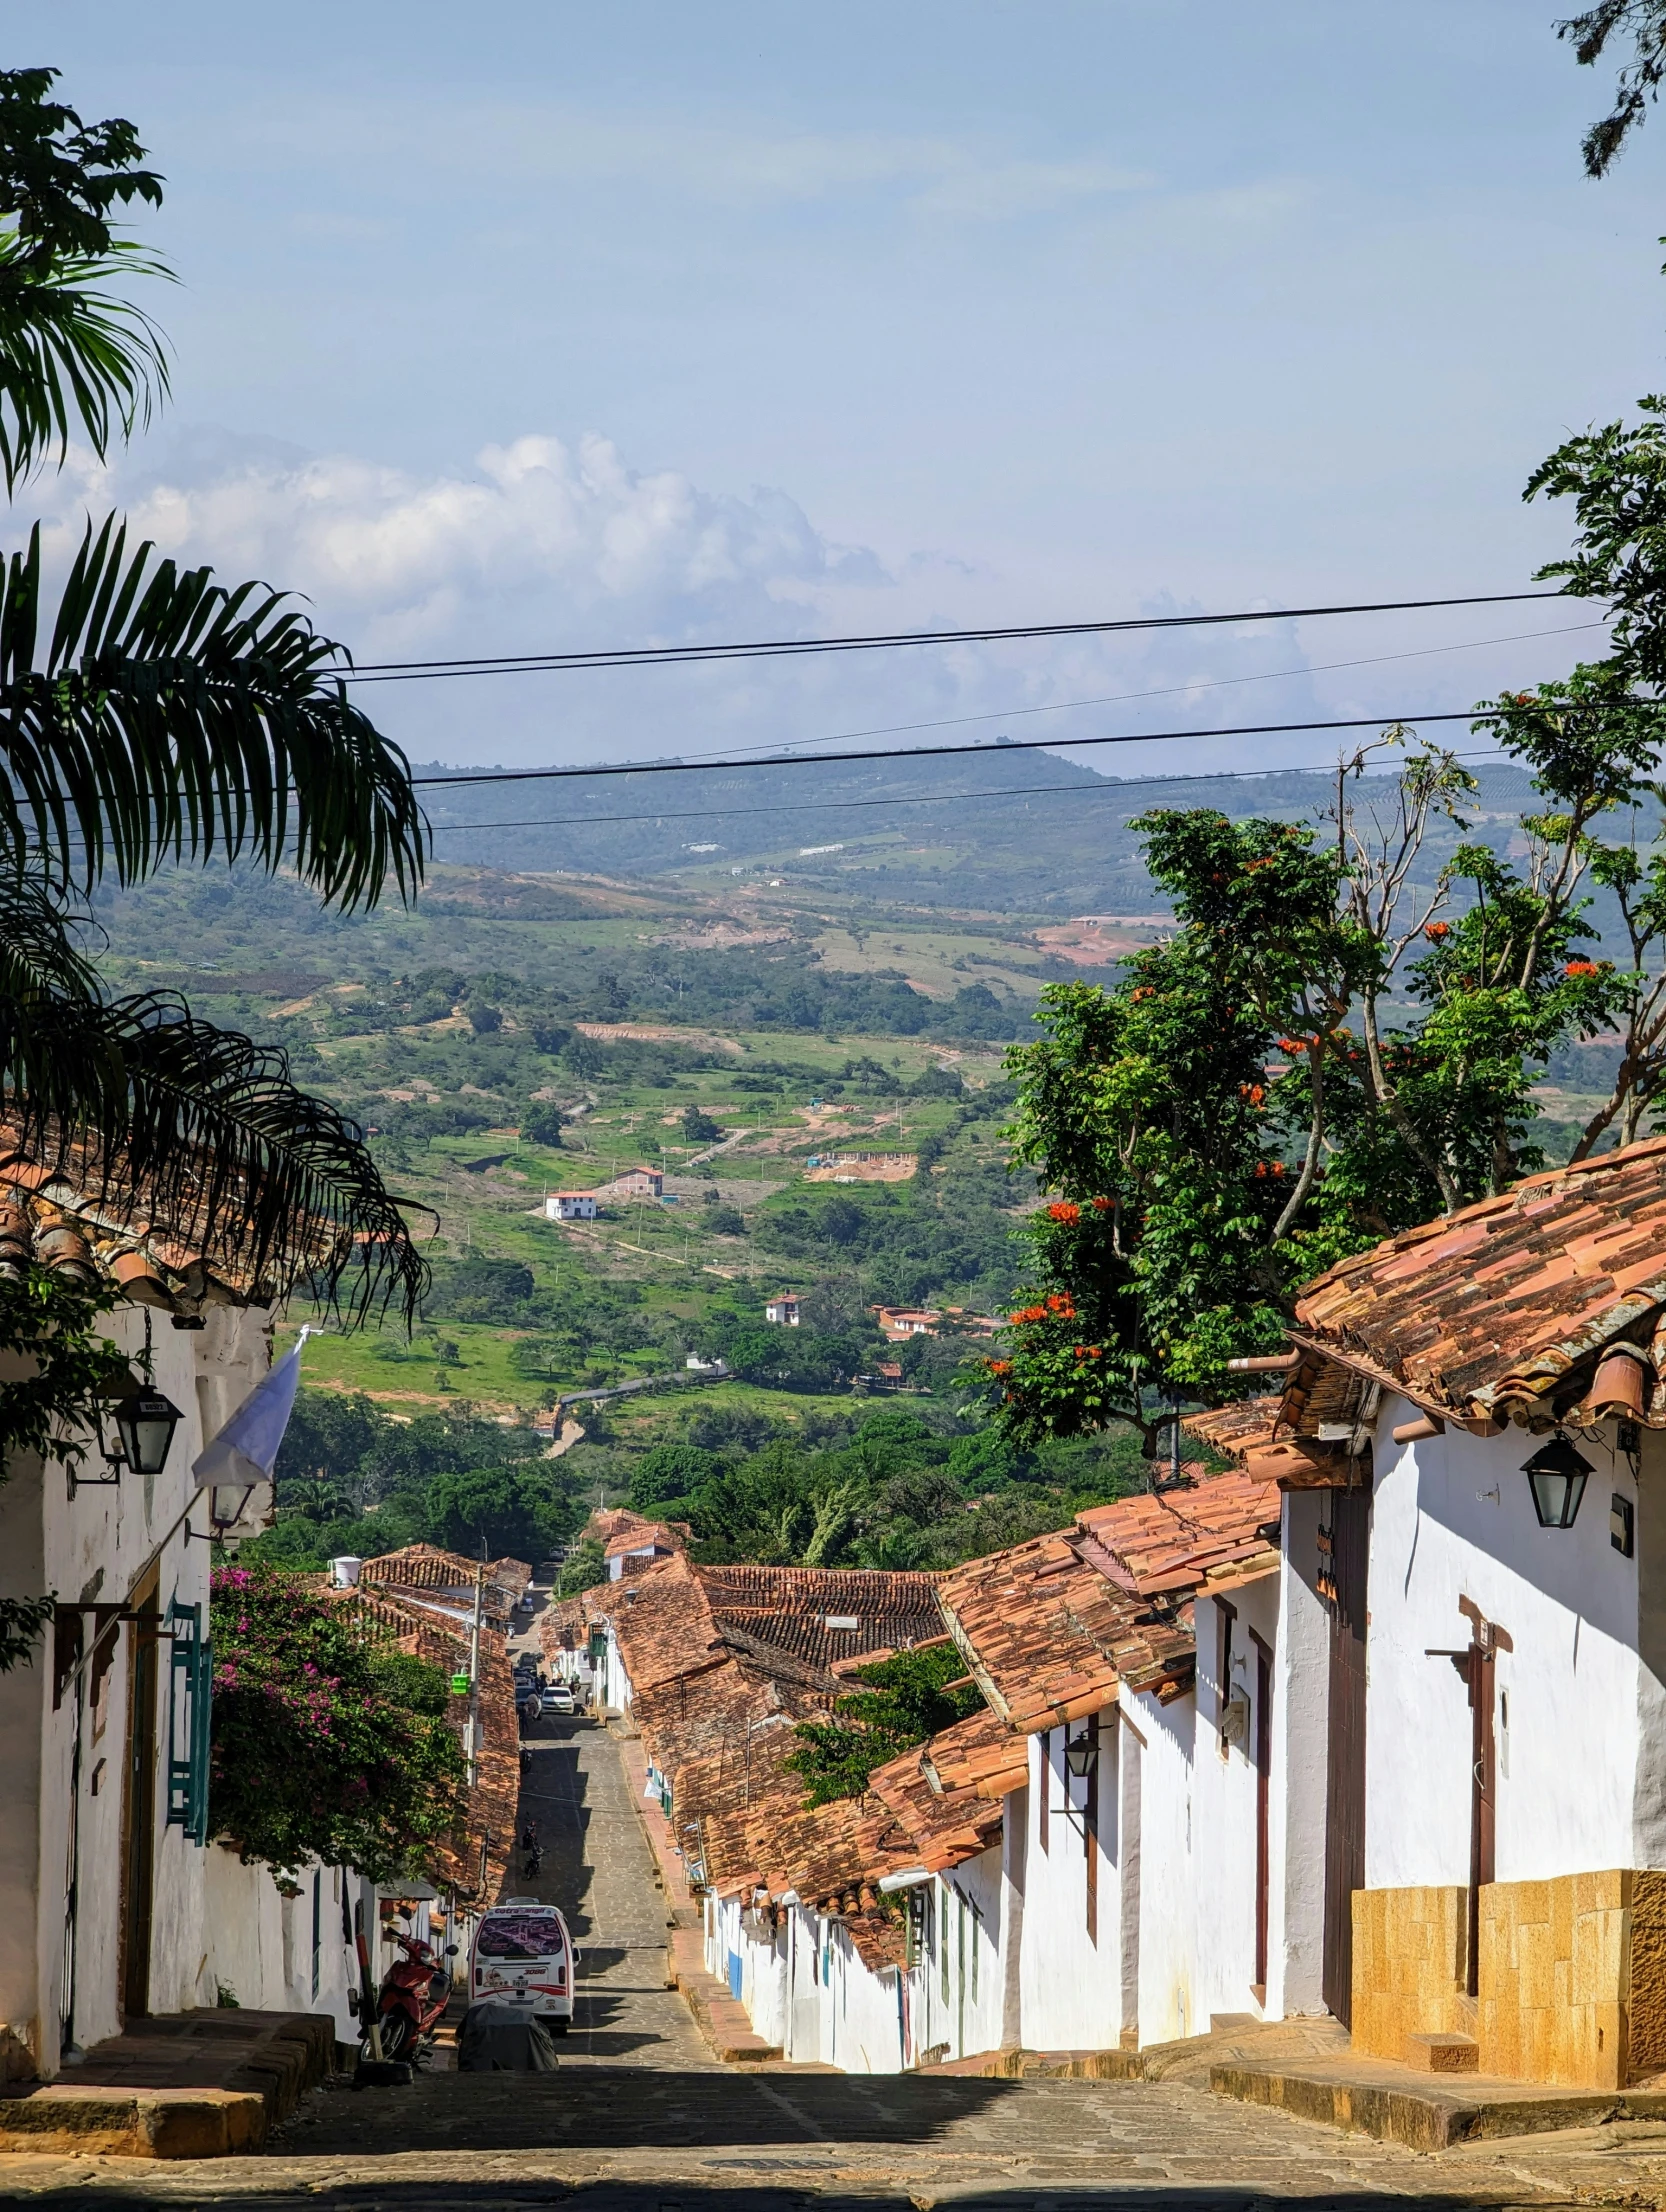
(943, 1951)
(317, 1923)
(190, 1682)
(977, 1945)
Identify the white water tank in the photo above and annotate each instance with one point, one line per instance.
(344, 1572)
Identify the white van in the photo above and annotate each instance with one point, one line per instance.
(523, 1954)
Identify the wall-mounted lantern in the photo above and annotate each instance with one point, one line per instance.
(1557, 1473)
(145, 1421)
(1081, 1755)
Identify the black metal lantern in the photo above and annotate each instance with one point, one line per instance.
(1557, 1473)
(1081, 1755)
(145, 1422)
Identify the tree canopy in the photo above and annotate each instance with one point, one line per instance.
(327, 1742)
(1343, 1034)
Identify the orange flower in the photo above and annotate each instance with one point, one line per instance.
(1582, 967)
(1292, 1044)
(1435, 931)
(1000, 1366)
(1101, 1205)
(1064, 1211)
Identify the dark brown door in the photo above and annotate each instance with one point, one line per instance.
(1350, 1537)
(139, 1816)
(1263, 1808)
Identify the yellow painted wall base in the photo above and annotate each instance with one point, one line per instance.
(1572, 1976)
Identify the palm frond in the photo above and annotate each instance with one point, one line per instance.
(189, 1126)
(73, 355)
(172, 718)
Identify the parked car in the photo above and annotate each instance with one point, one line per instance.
(523, 1954)
(559, 1698)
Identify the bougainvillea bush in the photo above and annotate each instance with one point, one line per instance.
(327, 1744)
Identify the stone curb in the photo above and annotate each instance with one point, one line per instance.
(1427, 2118)
(1020, 2065)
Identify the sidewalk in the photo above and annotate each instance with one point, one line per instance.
(182, 2085)
(721, 2019)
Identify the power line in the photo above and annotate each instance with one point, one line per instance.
(947, 752)
(664, 656)
(1109, 788)
(1162, 691)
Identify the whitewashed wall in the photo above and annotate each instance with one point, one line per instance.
(1225, 1807)
(1168, 1891)
(1301, 1710)
(1070, 1986)
(96, 1548)
(1580, 1753)
(283, 1954)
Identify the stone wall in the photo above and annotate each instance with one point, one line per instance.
(1573, 1978)
(1572, 1975)
(1409, 1967)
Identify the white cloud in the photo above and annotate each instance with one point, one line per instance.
(546, 546)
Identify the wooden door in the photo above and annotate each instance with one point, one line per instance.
(1263, 1809)
(139, 1803)
(1350, 1538)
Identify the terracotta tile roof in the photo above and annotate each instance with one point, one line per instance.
(1219, 1532)
(68, 1222)
(632, 1532)
(981, 1754)
(1048, 1637)
(1503, 1311)
(1249, 1431)
(443, 1574)
(866, 1592)
(940, 1825)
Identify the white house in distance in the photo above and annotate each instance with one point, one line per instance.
(1483, 1399)
(570, 1205)
(782, 1312)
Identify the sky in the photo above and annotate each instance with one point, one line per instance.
(539, 326)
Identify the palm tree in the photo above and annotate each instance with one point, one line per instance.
(153, 716)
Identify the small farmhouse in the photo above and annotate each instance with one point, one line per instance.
(782, 1311)
(899, 1323)
(570, 1205)
(638, 1182)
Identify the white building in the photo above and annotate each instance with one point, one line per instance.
(1483, 1400)
(570, 1205)
(103, 1734)
(782, 1312)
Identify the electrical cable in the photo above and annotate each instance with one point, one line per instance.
(947, 752)
(1109, 788)
(662, 656)
(1161, 691)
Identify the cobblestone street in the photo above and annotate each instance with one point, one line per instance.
(640, 2118)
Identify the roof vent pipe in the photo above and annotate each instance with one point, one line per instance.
(1272, 1363)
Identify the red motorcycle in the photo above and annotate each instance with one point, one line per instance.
(411, 2002)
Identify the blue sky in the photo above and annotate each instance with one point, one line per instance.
(522, 325)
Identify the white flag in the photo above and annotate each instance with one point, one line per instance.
(246, 1449)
